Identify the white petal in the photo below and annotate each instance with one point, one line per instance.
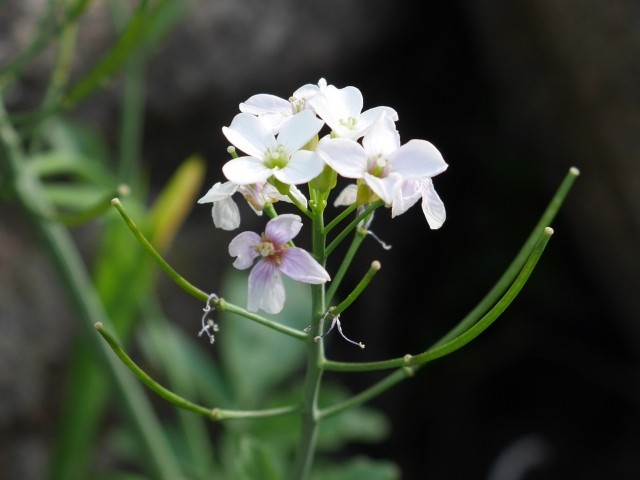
(225, 214)
(297, 131)
(281, 229)
(432, 206)
(417, 159)
(309, 90)
(297, 194)
(242, 247)
(345, 156)
(219, 192)
(406, 197)
(347, 196)
(250, 135)
(372, 115)
(246, 170)
(333, 104)
(301, 266)
(266, 290)
(382, 138)
(302, 167)
(266, 103)
(386, 188)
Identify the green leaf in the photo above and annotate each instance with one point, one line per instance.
(248, 458)
(359, 468)
(75, 196)
(68, 136)
(175, 202)
(362, 424)
(259, 359)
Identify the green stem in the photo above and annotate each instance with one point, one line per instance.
(215, 414)
(133, 101)
(358, 238)
(297, 203)
(516, 265)
(315, 354)
(28, 191)
(338, 309)
(341, 216)
(354, 223)
(368, 394)
(454, 344)
(192, 290)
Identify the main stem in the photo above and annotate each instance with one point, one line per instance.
(315, 355)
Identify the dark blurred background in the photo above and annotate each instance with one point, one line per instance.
(513, 94)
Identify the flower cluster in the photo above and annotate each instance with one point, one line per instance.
(282, 146)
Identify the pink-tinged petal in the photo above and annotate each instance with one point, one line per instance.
(297, 131)
(266, 290)
(302, 167)
(250, 135)
(386, 188)
(432, 206)
(281, 229)
(417, 159)
(382, 138)
(266, 103)
(345, 156)
(225, 214)
(242, 247)
(246, 170)
(219, 192)
(301, 266)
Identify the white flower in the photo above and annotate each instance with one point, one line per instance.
(274, 111)
(266, 289)
(411, 192)
(225, 212)
(267, 156)
(381, 162)
(341, 109)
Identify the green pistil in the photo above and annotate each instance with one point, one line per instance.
(277, 158)
(349, 123)
(380, 163)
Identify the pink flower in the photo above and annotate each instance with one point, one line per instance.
(266, 289)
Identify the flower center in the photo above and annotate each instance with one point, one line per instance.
(378, 165)
(277, 158)
(349, 123)
(297, 104)
(265, 248)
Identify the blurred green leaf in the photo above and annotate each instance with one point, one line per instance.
(359, 468)
(75, 197)
(248, 458)
(175, 202)
(258, 359)
(59, 163)
(69, 136)
(362, 424)
(149, 22)
(207, 377)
